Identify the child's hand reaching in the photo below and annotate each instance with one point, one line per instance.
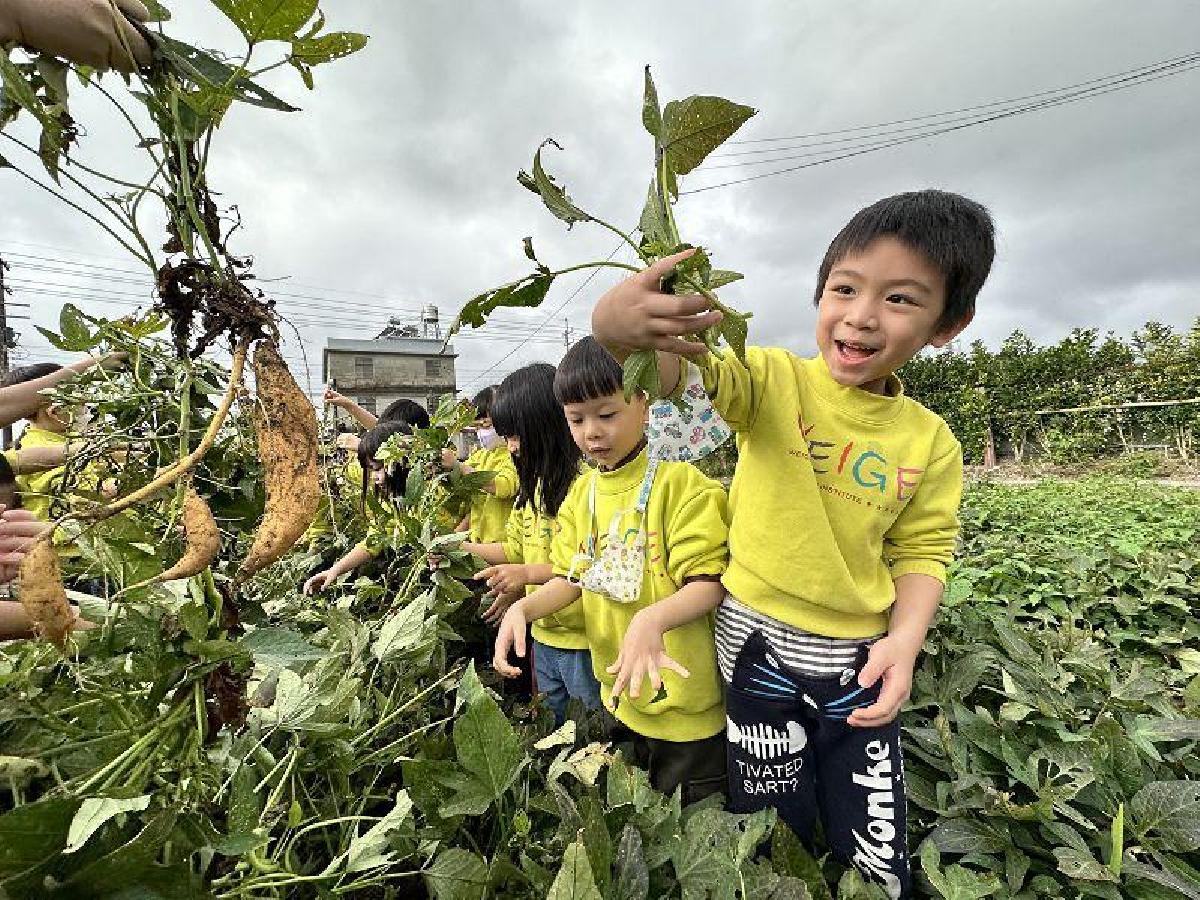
(500, 605)
(510, 637)
(892, 659)
(506, 578)
(642, 655)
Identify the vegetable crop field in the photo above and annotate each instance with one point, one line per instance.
(1050, 742)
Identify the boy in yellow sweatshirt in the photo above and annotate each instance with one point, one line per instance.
(844, 514)
(641, 544)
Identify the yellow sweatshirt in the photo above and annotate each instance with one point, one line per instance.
(686, 524)
(37, 489)
(489, 512)
(837, 492)
(528, 540)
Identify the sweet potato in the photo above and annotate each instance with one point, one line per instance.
(202, 539)
(285, 423)
(42, 593)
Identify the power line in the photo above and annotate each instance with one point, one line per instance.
(961, 109)
(1060, 101)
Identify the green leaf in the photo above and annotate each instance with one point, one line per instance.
(651, 112)
(1167, 814)
(1116, 848)
(715, 844)
(34, 833)
(327, 47)
(961, 836)
(94, 812)
(631, 880)
(275, 647)
(457, 874)
(792, 858)
(1186, 887)
(718, 278)
(75, 332)
(268, 20)
(205, 69)
(654, 224)
(370, 850)
(575, 880)
(487, 746)
(956, 882)
(528, 292)
(641, 374)
(1082, 866)
(131, 861)
(552, 195)
(403, 631)
(694, 127)
(158, 12)
(54, 73)
(564, 735)
(735, 331)
(19, 90)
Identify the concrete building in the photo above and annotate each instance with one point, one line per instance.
(395, 364)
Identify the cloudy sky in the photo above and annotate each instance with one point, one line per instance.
(395, 186)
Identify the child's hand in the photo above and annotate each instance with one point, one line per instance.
(500, 605)
(319, 582)
(449, 458)
(891, 659)
(510, 637)
(333, 398)
(506, 578)
(642, 655)
(19, 528)
(637, 315)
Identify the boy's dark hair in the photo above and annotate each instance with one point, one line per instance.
(587, 372)
(955, 234)
(368, 446)
(483, 402)
(548, 461)
(405, 410)
(31, 372)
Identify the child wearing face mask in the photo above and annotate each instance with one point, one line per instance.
(488, 517)
(641, 546)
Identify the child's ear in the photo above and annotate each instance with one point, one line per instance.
(946, 335)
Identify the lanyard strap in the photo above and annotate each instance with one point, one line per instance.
(642, 501)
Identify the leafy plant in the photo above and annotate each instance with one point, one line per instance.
(684, 133)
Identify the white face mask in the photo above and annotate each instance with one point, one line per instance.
(487, 437)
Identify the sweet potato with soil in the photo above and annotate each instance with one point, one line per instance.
(42, 593)
(285, 423)
(202, 539)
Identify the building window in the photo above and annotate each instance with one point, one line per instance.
(433, 368)
(369, 404)
(364, 367)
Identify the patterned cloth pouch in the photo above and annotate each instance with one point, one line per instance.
(690, 430)
(617, 571)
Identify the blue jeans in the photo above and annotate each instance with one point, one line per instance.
(563, 674)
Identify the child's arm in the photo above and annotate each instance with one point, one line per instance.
(642, 652)
(492, 554)
(551, 597)
(351, 561)
(894, 657)
(357, 413)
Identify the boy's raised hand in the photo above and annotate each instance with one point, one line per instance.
(637, 315)
(642, 655)
(510, 637)
(891, 659)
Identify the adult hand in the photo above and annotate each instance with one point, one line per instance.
(94, 33)
(19, 528)
(333, 398)
(449, 458)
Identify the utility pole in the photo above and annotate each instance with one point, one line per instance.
(6, 435)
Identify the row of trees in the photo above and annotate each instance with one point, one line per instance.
(1015, 397)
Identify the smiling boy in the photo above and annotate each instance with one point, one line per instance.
(844, 515)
